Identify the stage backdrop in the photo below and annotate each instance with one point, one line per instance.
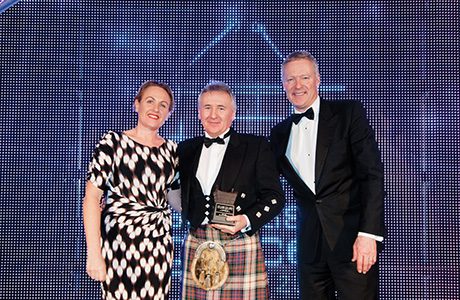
(70, 70)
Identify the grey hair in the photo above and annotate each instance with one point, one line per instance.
(218, 86)
(297, 55)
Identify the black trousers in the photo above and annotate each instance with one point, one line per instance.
(327, 275)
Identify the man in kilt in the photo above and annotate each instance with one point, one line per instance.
(229, 189)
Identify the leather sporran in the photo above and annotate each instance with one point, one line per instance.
(209, 266)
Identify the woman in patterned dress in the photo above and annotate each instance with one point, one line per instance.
(129, 245)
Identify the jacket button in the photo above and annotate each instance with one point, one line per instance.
(319, 201)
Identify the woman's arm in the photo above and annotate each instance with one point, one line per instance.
(95, 265)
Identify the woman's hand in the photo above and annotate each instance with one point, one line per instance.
(95, 267)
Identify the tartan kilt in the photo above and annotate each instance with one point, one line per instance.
(247, 277)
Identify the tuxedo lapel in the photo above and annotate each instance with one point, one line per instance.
(283, 134)
(326, 127)
(193, 158)
(196, 159)
(231, 164)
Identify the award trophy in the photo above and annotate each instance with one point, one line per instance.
(224, 207)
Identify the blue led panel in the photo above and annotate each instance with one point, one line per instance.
(70, 70)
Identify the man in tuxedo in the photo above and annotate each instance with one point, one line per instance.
(243, 167)
(328, 154)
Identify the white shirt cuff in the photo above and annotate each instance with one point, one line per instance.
(372, 236)
(248, 227)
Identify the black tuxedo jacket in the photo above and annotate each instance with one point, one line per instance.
(248, 168)
(348, 181)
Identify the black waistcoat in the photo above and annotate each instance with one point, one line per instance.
(198, 201)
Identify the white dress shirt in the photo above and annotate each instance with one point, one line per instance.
(210, 162)
(301, 148)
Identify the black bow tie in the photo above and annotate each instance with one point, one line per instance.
(218, 140)
(309, 114)
(208, 142)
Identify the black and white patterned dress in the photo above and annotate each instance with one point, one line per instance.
(136, 222)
